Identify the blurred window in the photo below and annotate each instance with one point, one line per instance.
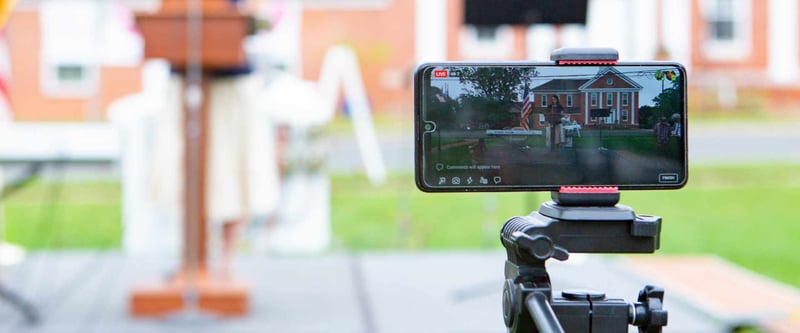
(721, 20)
(78, 38)
(486, 33)
(594, 99)
(69, 79)
(625, 99)
(625, 115)
(569, 100)
(728, 23)
(544, 100)
(69, 74)
(609, 99)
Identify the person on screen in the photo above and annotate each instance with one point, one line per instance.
(478, 151)
(676, 128)
(557, 128)
(662, 130)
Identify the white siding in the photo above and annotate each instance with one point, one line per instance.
(783, 41)
(430, 30)
(677, 30)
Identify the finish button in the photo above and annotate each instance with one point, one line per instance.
(668, 178)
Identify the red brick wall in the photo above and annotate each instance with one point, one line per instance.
(383, 39)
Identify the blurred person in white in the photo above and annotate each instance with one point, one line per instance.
(243, 178)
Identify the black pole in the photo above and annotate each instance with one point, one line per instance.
(543, 316)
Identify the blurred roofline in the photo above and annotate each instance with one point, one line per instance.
(152, 5)
(138, 5)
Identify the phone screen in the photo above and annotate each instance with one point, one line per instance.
(515, 127)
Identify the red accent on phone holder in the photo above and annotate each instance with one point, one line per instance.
(586, 62)
(589, 189)
(585, 56)
(586, 196)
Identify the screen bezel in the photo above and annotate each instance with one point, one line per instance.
(419, 162)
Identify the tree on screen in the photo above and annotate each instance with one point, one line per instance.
(496, 83)
(491, 92)
(665, 104)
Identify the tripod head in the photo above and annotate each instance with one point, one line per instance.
(578, 220)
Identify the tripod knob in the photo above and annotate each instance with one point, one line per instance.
(511, 303)
(539, 247)
(649, 315)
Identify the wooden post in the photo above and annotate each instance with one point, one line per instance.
(196, 41)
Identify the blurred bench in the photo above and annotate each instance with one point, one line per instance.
(58, 142)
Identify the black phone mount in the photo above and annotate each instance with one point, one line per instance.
(578, 220)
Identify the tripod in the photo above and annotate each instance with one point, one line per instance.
(28, 311)
(578, 220)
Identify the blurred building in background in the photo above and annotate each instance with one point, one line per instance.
(70, 59)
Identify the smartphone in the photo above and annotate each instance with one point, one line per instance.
(541, 126)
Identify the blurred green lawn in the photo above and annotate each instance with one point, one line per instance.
(76, 215)
(746, 214)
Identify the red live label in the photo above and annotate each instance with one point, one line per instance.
(442, 73)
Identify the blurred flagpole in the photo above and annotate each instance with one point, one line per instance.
(5, 78)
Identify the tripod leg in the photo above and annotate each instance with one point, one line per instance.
(543, 316)
(28, 311)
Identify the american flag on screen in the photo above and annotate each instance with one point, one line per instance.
(526, 110)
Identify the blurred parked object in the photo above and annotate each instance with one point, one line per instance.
(304, 223)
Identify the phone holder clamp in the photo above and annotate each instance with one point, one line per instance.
(585, 56)
(578, 220)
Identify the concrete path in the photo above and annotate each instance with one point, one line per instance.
(455, 291)
(742, 143)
